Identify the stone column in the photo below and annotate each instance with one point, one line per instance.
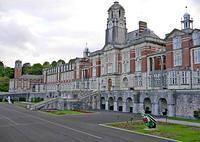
(148, 64)
(124, 107)
(135, 108)
(115, 106)
(60, 104)
(171, 110)
(153, 64)
(155, 109)
(106, 105)
(162, 78)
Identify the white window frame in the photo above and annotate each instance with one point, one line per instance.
(197, 56)
(196, 38)
(177, 57)
(137, 52)
(177, 42)
(184, 77)
(138, 65)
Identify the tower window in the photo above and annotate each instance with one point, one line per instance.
(119, 13)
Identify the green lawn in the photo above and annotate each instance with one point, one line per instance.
(184, 119)
(64, 112)
(173, 131)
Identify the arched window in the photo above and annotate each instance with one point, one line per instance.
(125, 82)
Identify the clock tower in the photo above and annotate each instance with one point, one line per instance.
(116, 25)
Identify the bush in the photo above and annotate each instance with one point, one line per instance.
(197, 114)
(1, 99)
(4, 100)
(22, 99)
(36, 99)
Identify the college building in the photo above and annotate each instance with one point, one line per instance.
(135, 71)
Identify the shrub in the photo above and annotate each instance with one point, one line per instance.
(22, 99)
(36, 99)
(197, 114)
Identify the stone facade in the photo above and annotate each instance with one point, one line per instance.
(134, 70)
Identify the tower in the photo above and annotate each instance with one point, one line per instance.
(18, 68)
(86, 53)
(187, 22)
(116, 25)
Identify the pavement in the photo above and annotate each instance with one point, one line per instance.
(21, 125)
(179, 122)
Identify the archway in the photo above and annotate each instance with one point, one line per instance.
(129, 105)
(162, 106)
(147, 105)
(125, 82)
(103, 103)
(109, 84)
(110, 103)
(120, 104)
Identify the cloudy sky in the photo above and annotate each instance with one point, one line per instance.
(46, 30)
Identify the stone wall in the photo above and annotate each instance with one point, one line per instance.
(187, 102)
(178, 103)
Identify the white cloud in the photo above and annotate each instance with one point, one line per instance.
(49, 30)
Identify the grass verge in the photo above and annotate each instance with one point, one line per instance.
(168, 130)
(185, 119)
(65, 112)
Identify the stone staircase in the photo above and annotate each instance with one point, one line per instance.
(44, 104)
(84, 100)
(87, 99)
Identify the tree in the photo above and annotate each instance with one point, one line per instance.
(46, 64)
(4, 84)
(60, 62)
(9, 72)
(1, 64)
(54, 64)
(37, 69)
(26, 65)
(1, 71)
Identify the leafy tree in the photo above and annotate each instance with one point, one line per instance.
(60, 62)
(26, 68)
(9, 72)
(26, 65)
(4, 84)
(37, 69)
(46, 64)
(1, 64)
(1, 71)
(54, 64)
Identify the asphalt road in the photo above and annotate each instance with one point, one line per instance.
(21, 125)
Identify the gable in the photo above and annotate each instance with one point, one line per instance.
(174, 33)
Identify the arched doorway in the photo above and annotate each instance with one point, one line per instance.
(162, 106)
(120, 104)
(129, 105)
(103, 103)
(147, 105)
(109, 84)
(110, 103)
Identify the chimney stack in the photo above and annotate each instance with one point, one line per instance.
(142, 26)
